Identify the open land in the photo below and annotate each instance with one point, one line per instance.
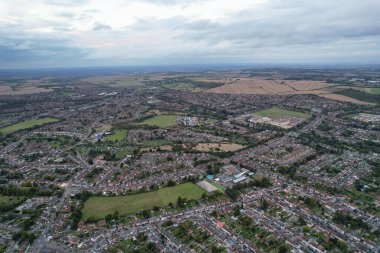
(9, 91)
(27, 124)
(282, 87)
(218, 147)
(117, 135)
(162, 121)
(279, 112)
(99, 207)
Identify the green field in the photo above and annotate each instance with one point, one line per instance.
(99, 207)
(27, 124)
(372, 96)
(183, 86)
(9, 202)
(279, 112)
(117, 135)
(375, 91)
(162, 121)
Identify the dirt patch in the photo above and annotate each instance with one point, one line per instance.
(207, 186)
(218, 147)
(154, 149)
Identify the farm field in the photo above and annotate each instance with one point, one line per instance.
(117, 135)
(284, 87)
(99, 207)
(116, 81)
(368, 98)
(370, 90)
(26, 90)
(375, 91)
(163, 121)
(218, 147)
(27, 124)
(279, 112)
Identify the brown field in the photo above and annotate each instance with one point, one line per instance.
(307, 85)
(218, 147)
(282, 87)
(8, 91)
(252, 86)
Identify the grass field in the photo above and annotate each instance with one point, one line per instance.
(27, 124)
(116, 81)
(99, 207)
(117, 135)
(279, 112)
(375, 91)
(163, 121)
(9, 202)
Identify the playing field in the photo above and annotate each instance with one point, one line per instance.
(117, 135)
(99, 207)
(162, 121)
(27, 124)
(279, 112)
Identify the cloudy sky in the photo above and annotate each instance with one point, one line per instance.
(70, 33)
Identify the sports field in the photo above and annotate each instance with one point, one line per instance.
(279, 112)
(27, 124)
(117, 135)
(99, 207)
(162, 121)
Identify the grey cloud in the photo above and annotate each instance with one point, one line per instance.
(281, 25)
(169, 2)
(275, 31)
(67, 3)
(27, 50)
(101, 27)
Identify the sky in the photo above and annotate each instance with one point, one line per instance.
(79, 33)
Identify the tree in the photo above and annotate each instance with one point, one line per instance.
(171, 183)
(181, 201)
(108, 218)
(282, 249)
(264, 204)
